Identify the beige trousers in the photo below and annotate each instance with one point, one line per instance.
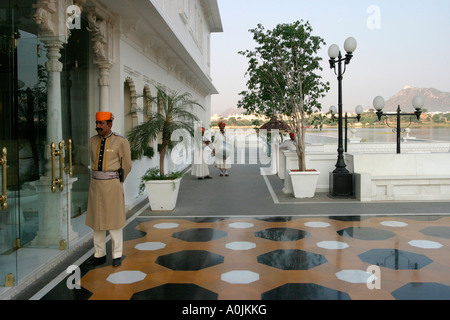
(116, 241)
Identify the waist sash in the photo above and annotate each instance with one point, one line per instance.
(105, 175)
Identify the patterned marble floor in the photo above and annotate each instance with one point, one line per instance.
(274, 258)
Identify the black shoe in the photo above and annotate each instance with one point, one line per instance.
(93, 262)
(117, 262)
(208, 177)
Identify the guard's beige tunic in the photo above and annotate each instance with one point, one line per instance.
(106, 203)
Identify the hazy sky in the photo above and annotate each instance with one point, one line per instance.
(399, 43)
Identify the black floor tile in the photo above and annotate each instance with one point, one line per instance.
(292, 259)
(176, 291)
(395, 259)
(189, 260)
(304, 291)
(422, 291)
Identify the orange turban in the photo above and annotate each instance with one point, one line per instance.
(104, 116)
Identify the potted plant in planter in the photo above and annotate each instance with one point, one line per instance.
(284, 80)
(162, 191)
(175, 113)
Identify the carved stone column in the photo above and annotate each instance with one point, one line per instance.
(101, 30)
(54, 120)
(103, 83)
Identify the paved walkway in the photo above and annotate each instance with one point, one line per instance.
(240, 237)
(248, 193)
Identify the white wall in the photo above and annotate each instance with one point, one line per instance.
(143, 70)
(186, 17)
(402, 177)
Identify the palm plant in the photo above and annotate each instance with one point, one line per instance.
(174, 113)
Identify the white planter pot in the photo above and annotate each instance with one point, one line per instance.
(304, 183)
(162, 194)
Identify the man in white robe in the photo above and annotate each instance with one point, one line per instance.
(289, 144)
(202, 146)
(222, 151)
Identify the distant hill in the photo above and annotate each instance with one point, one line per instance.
(435, 100)
(231, 111)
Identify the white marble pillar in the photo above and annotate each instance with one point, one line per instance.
(103, 83)
(54, 120)
(54, 207)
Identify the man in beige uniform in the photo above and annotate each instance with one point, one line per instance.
(106, 204)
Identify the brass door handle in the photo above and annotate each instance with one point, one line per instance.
(57, 153)
(53, 153)
(3, 196)
(61, 165)
(69, 142)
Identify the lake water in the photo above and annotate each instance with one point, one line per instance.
(387, 134)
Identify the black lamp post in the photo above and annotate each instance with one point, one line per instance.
(379, 103)
(341, 180)
(359, 110)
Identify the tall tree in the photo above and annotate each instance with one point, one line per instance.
(283, 77)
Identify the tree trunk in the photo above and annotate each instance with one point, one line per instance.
(301, 158)
(301, 145)
(162, 155)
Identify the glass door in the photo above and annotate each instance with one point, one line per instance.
(43, 153)
(8, 148)
(34, 146)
